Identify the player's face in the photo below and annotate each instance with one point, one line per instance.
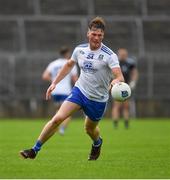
(122, 54)
(95, 37)
(67, 55)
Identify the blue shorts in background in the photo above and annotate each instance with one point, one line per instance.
(58, 98)
(93, 109)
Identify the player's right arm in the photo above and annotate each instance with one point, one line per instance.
(61, 74)
(46, 76)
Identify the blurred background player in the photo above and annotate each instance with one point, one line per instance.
(64, 87)
(130, 73)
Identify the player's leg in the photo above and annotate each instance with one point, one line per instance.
(116, 113)
(126, 113)
(132, 107)
(94, 112)
(66, 109)
(92, 129)
(58, 100)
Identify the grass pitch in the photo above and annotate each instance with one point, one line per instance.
(143, 151)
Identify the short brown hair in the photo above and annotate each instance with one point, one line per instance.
(97, 23)
(63, 50)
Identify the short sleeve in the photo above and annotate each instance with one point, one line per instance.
(49, 67)
(74, 55)
(113, 61)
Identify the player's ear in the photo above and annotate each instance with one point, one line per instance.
(88, 32)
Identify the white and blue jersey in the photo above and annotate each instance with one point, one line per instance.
(95, 71)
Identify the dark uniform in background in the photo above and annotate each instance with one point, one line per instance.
(130, 73)
(127, 67)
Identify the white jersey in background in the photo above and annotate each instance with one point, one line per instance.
(64, 86)
(95, 71)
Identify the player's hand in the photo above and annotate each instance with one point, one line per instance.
(132, 85)
(113, 83)
(49, 90)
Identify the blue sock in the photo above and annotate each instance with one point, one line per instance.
(97, 142)
(37, 146)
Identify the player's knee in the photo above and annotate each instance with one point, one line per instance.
(88, 130)
(57, 119)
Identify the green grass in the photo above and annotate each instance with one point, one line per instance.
(143, 151)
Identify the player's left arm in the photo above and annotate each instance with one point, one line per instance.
(118, 76)
(133, 78)
(113, 63)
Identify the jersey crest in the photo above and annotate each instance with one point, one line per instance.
(88, 67)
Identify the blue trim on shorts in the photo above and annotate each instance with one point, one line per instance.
(93, 109)
(58, 98)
